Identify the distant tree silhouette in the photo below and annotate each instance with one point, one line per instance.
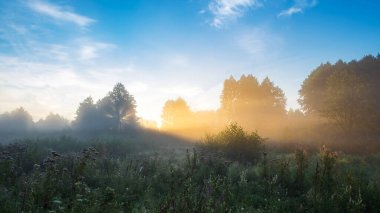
(273, 97)
(52, 122)
(120, 106)
(247, 102)
(176, 114)
(114, 111)
(18, 120)
(229, 97)
(250, 103)
(88, 117)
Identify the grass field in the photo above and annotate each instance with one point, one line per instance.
(147, 173)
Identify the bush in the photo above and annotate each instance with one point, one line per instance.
(234, 144)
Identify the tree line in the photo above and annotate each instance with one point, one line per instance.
(343, 96)
(115, 111)
(246, 101)
(340, 98)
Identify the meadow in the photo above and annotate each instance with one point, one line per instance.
(232, 171)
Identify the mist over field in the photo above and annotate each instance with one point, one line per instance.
(189, 106)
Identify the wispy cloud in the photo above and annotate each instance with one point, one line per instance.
(258, 42)
(227, 10)
(290, 11)
(91, 50)
(59, 13)
(299, 6)
(18, 29)
(50, 69)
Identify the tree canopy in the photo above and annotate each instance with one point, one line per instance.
(114, 111)
(176, 114)
(345, 93)
(250, 103)
(52, 122)
(19, 120)
(246, 101)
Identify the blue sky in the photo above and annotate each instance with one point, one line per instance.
(53, 54)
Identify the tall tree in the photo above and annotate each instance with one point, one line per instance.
(312, 91)
(250, 103)
(89, 117)
(228, 98)
(273, 97)
(176, 114)
(346, 100)
(345, 93)
(122, 106)
(111, 112)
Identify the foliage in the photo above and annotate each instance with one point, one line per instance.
(251, 103)
(113, 112)
(52, 122)
(235, 144)
(176, 114)
(18, 120)
(88, 117)
(178, 119)
(119, 106)
(345, 93)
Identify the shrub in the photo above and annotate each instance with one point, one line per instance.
(234, 144)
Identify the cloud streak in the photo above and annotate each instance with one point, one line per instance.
(227, 10)
(259, 42)
(299, 6)
(92, 50)
(59, 13)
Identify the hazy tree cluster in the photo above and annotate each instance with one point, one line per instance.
(115, 111)
(52, 122)
(19, 120)
(334, 97)
(16, 121)
(179, 118)
(252, 104)
(248, 102)
(176, 113)
(345, 94)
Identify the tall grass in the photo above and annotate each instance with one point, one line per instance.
(121, 175)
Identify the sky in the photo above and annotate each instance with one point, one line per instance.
(54, 54)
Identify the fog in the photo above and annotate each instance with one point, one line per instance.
(339, 105)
